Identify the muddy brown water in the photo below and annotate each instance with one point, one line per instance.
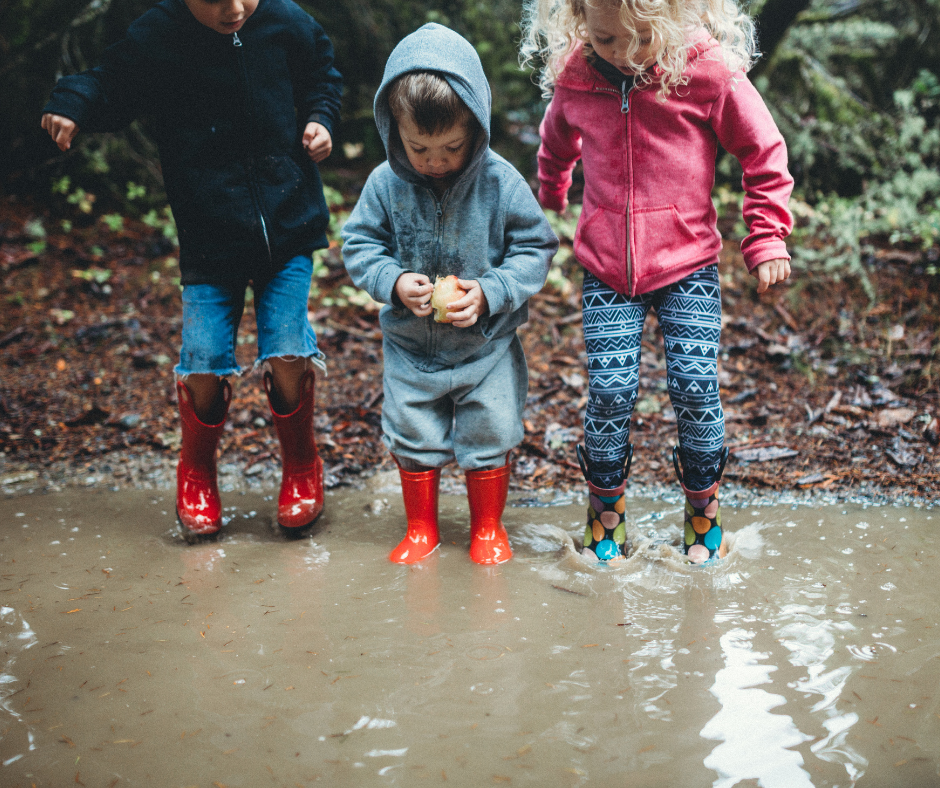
(810, 657)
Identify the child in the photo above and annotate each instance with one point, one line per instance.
(444, 204)
(643, 92)
(242, 97)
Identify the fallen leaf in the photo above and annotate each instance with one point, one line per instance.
(894, 417)
(764, 454)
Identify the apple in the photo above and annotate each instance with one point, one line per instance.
(447, 289)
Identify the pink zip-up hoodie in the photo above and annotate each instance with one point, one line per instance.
(647, 218)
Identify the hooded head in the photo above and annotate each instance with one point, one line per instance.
(443, 55)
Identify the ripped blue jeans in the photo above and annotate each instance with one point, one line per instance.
(212, 313)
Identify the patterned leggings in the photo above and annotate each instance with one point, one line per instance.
(689, 314)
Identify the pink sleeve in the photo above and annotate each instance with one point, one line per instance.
(747, 130)
(559, 151)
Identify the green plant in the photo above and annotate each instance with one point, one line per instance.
(96, 275)
(114, 221)
(162, 220)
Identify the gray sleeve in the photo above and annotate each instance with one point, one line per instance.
(369, 249)
(530, 245)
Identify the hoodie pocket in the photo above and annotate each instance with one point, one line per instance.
(661, 238)
(600, 243)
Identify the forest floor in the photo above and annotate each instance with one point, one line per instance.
(825, 391)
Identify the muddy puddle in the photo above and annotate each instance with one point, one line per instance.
(810, 657)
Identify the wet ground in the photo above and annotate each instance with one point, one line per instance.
(810, 657)
(826, 389)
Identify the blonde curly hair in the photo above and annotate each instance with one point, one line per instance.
(552, 29)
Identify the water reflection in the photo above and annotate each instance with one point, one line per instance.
(755, 743)
(252, 658)
(16, 637)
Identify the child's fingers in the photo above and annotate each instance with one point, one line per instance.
(318, 142)
(473, 296)
(464, 320)
(62, 130)
(763, 278)
(421, 292)
(64, 139)
(459, 304)
(320, 153)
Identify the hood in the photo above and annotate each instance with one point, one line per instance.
(580, 74)
(434, 47)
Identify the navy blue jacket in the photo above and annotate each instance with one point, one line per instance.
(227, 113)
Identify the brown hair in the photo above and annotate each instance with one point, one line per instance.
(428, 100)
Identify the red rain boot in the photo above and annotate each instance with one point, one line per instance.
(419, 489)
(198, 505)
(486, 492)
(301, 498)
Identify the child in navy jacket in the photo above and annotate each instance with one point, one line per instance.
(241, 96)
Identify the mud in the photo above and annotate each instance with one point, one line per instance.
(808, 658)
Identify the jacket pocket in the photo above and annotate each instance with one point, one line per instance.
(600, 244)
(289, 202)
(661, 238)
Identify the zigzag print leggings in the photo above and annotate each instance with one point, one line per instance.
(689, 314)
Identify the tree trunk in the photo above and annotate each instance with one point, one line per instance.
(773, 22)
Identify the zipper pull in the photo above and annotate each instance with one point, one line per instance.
(236, 41)
(624, 97)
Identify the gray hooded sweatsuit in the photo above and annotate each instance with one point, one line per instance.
(450, 393)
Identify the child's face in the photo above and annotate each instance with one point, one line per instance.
(613, 40)
(223, 16)
(438, 156)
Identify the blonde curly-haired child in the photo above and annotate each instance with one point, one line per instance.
(643, 92)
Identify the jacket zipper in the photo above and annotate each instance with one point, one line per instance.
(439, 210)
(624, 94)
(237, 43)
(625, 109)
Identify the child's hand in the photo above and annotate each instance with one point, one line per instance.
(415, 290)
(317, 141)
(61, 129)
(770, 272)
(467, 310)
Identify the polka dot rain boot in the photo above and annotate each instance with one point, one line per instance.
(605, 537)
(704, 540)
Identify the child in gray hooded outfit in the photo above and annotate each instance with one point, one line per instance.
(446, 206)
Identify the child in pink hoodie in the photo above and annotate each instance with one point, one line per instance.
(643, 92)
